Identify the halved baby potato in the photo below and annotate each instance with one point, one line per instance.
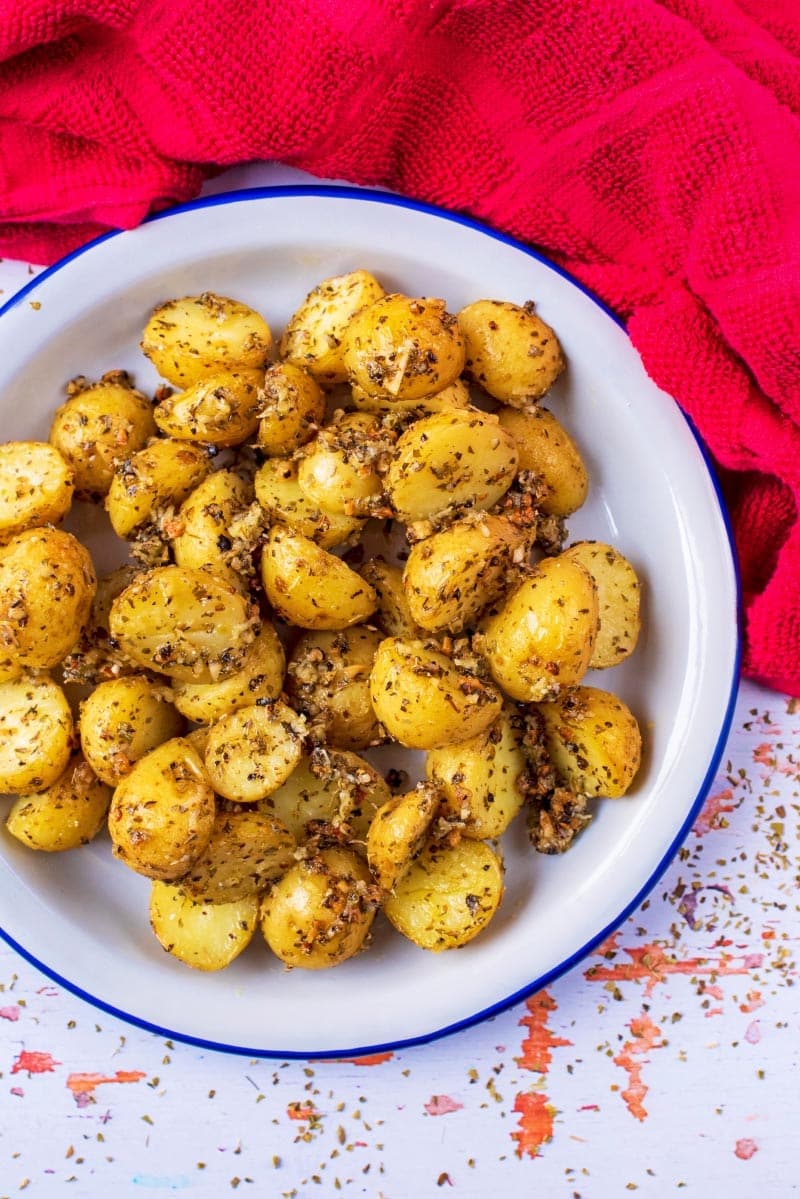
(189, 338)
(510, 351)
(542, 638)
(98, 426)
(187, 624)
(282, 498)
(121, 721)
(251, 751)
(69, 813)
(328, 679)
(314, 335)
(311, 588)
(207, 936)
(424, 699)
(260, 677)
(220, 409)
(593, 740)
(447, 896)
(398, 831)
(248, 850)
(37, 484)
(546, 448)
(162, 813)
(331, 787)
(618, 594)
(320, 912)
(159, 477)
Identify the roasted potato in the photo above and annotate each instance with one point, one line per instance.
(99, 425)
(398, 831)
(447, 896)
(333, 788)
(187, 624)
(251, 751)
(310, 587)
(290, 410)
(424, 699)
(95, 655)
(247, 851)
(453, 575)
(320, 913)
(337, 471)
(36, 486)
(36, 734)
(69, 813)
(207, 936)
(121, 721)
(403, 348)
(204, 536)
(455, 395)
(220, 409)
(618, 599)
(280, 495)
(546, 448)
(393, 615)
(478, 778)
(314, 335)
(328, 679)
(153, 482)
(162, 813)
(190, 338)
(510, 351)
(460, 458)
(542, 638)
(260, 677)
(47, 584)
(594, 741)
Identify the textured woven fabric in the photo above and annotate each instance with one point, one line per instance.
(653, 149)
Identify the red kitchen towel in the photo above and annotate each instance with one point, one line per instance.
(652, 148)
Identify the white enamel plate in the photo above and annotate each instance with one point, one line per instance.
(82, 918)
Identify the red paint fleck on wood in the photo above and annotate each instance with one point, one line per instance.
(753, 1033)
(10, 1013)
(18, 1091)
(85, 1083)
(753, 1002)
(537, 1046)
(745, 1148)
(535, 1126)
(34, 1062)
(442, 1105)
(369, 1059)
(609, 945)
(652, 963)
(645, 1036)
(713, 812)
(301, 1111)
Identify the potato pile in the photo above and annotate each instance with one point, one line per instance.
(235, 671)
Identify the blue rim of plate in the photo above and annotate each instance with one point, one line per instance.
(390, 198)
